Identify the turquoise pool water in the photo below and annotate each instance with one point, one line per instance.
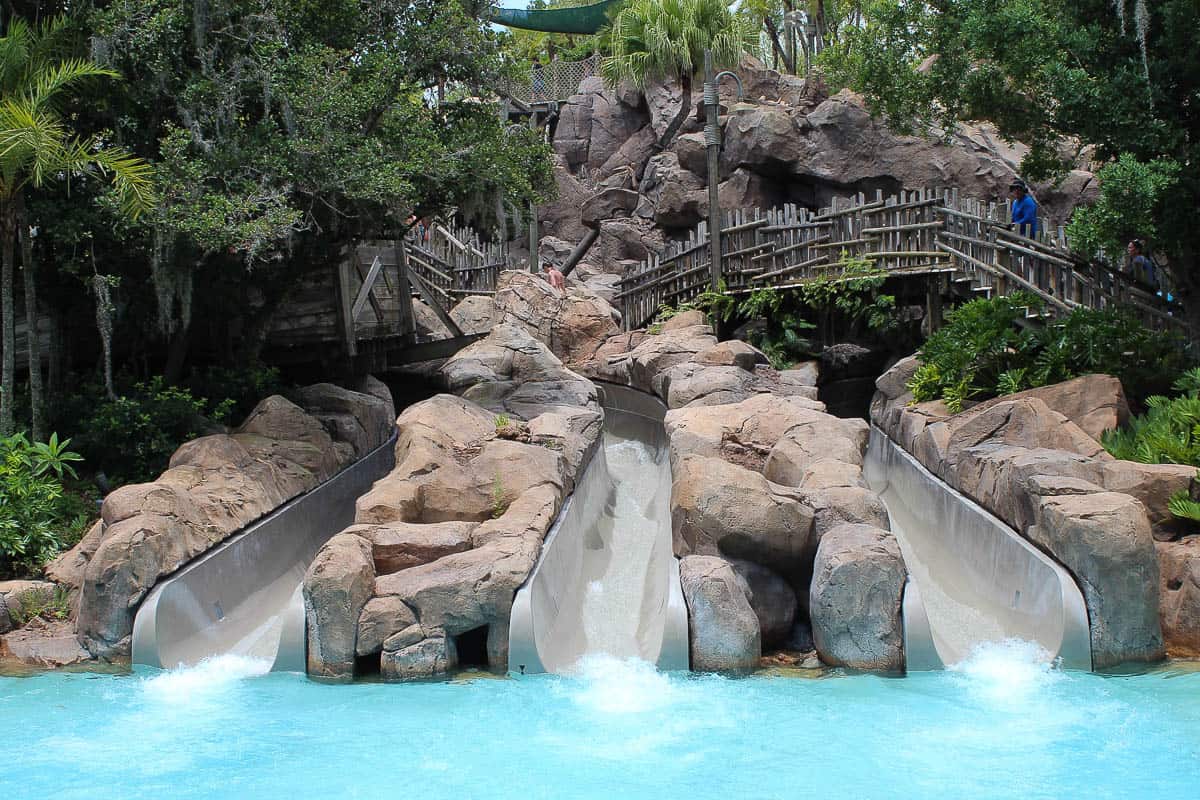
(1000, 726)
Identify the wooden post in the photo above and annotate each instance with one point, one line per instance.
(346, 305)
(712, 139)
(404, 290)
(933, 302)
(534, 264)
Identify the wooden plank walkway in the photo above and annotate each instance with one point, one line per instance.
(923, 233)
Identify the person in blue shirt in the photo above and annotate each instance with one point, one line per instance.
(1024, 209)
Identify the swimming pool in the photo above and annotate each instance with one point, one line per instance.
(999, 726)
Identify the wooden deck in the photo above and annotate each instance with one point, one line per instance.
(959, 245)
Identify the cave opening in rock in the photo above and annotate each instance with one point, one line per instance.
(365, 666)
(472, 647)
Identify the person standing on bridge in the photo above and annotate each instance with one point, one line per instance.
(1024, 209)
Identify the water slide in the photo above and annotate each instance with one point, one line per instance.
(244, 597)
(972, 579)
(607, 581)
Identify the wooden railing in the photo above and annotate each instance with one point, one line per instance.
(922, 232)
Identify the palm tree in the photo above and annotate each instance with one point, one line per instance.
(37, 146)
(666, 39)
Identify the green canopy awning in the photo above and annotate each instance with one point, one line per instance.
(579, 19)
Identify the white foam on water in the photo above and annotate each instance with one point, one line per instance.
(619, 685)
(1010, 671)
(210, 677)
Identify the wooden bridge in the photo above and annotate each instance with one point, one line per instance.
(955, 244)
(373, 321)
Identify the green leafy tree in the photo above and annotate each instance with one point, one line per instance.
(1059, 75)
(666, 39)
(284, 131)
(37, 146)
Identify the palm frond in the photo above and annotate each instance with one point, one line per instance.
(47, 84)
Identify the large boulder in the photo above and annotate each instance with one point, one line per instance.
(718, 508)
(1104, 540)
(474, 314)
(738, 431)
(1096, 403)
(337, 585)
(512, 372)
(855, 599)
(361, 420)
(722, 626)
(1179, 595)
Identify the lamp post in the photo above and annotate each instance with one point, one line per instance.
(712, 142)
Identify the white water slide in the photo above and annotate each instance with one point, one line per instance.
(607, 580)
(244, 596)
(971, 578)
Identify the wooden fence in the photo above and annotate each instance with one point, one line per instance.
(922, 232)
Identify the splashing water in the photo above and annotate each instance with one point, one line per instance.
(618, 685)
(204, 681)
(1007, 672)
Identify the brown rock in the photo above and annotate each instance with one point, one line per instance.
(336, 588)
(1179, 595)
(1104, 540)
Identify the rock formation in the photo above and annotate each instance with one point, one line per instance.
(215, 486)
(1035, 466)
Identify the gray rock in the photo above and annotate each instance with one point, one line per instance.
(723, 627)
(855, 596)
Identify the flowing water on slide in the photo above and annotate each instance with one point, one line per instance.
(612, 603)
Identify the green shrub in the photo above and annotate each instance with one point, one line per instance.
(34, 515)
(132, 437)
(1169, 431)
(232, 392)
(984, 351)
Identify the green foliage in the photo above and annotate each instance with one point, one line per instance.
(1131, 192)
(503, 421)
(133, 436)
(233, 392)
(983, 351)
(33, 508)
(1181, 505)
(32, 604)
(1061, 76)
(782, 336)
(499, 506)
(664, 39)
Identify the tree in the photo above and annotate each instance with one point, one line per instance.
(285, 131)
(1060, 75)
(38, 146)
(666, 39)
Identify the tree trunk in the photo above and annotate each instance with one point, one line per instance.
(8, 340)
(777, 47)
(685, 108)
(31, 321)
(177, 352)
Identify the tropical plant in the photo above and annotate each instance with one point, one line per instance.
(665, 40)
(37, 146)
(34, 512)
(983, 351)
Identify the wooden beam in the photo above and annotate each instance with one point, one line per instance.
(423, 289)
(428, 351)
(404, 290)
(345, 308)
(364, 291)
